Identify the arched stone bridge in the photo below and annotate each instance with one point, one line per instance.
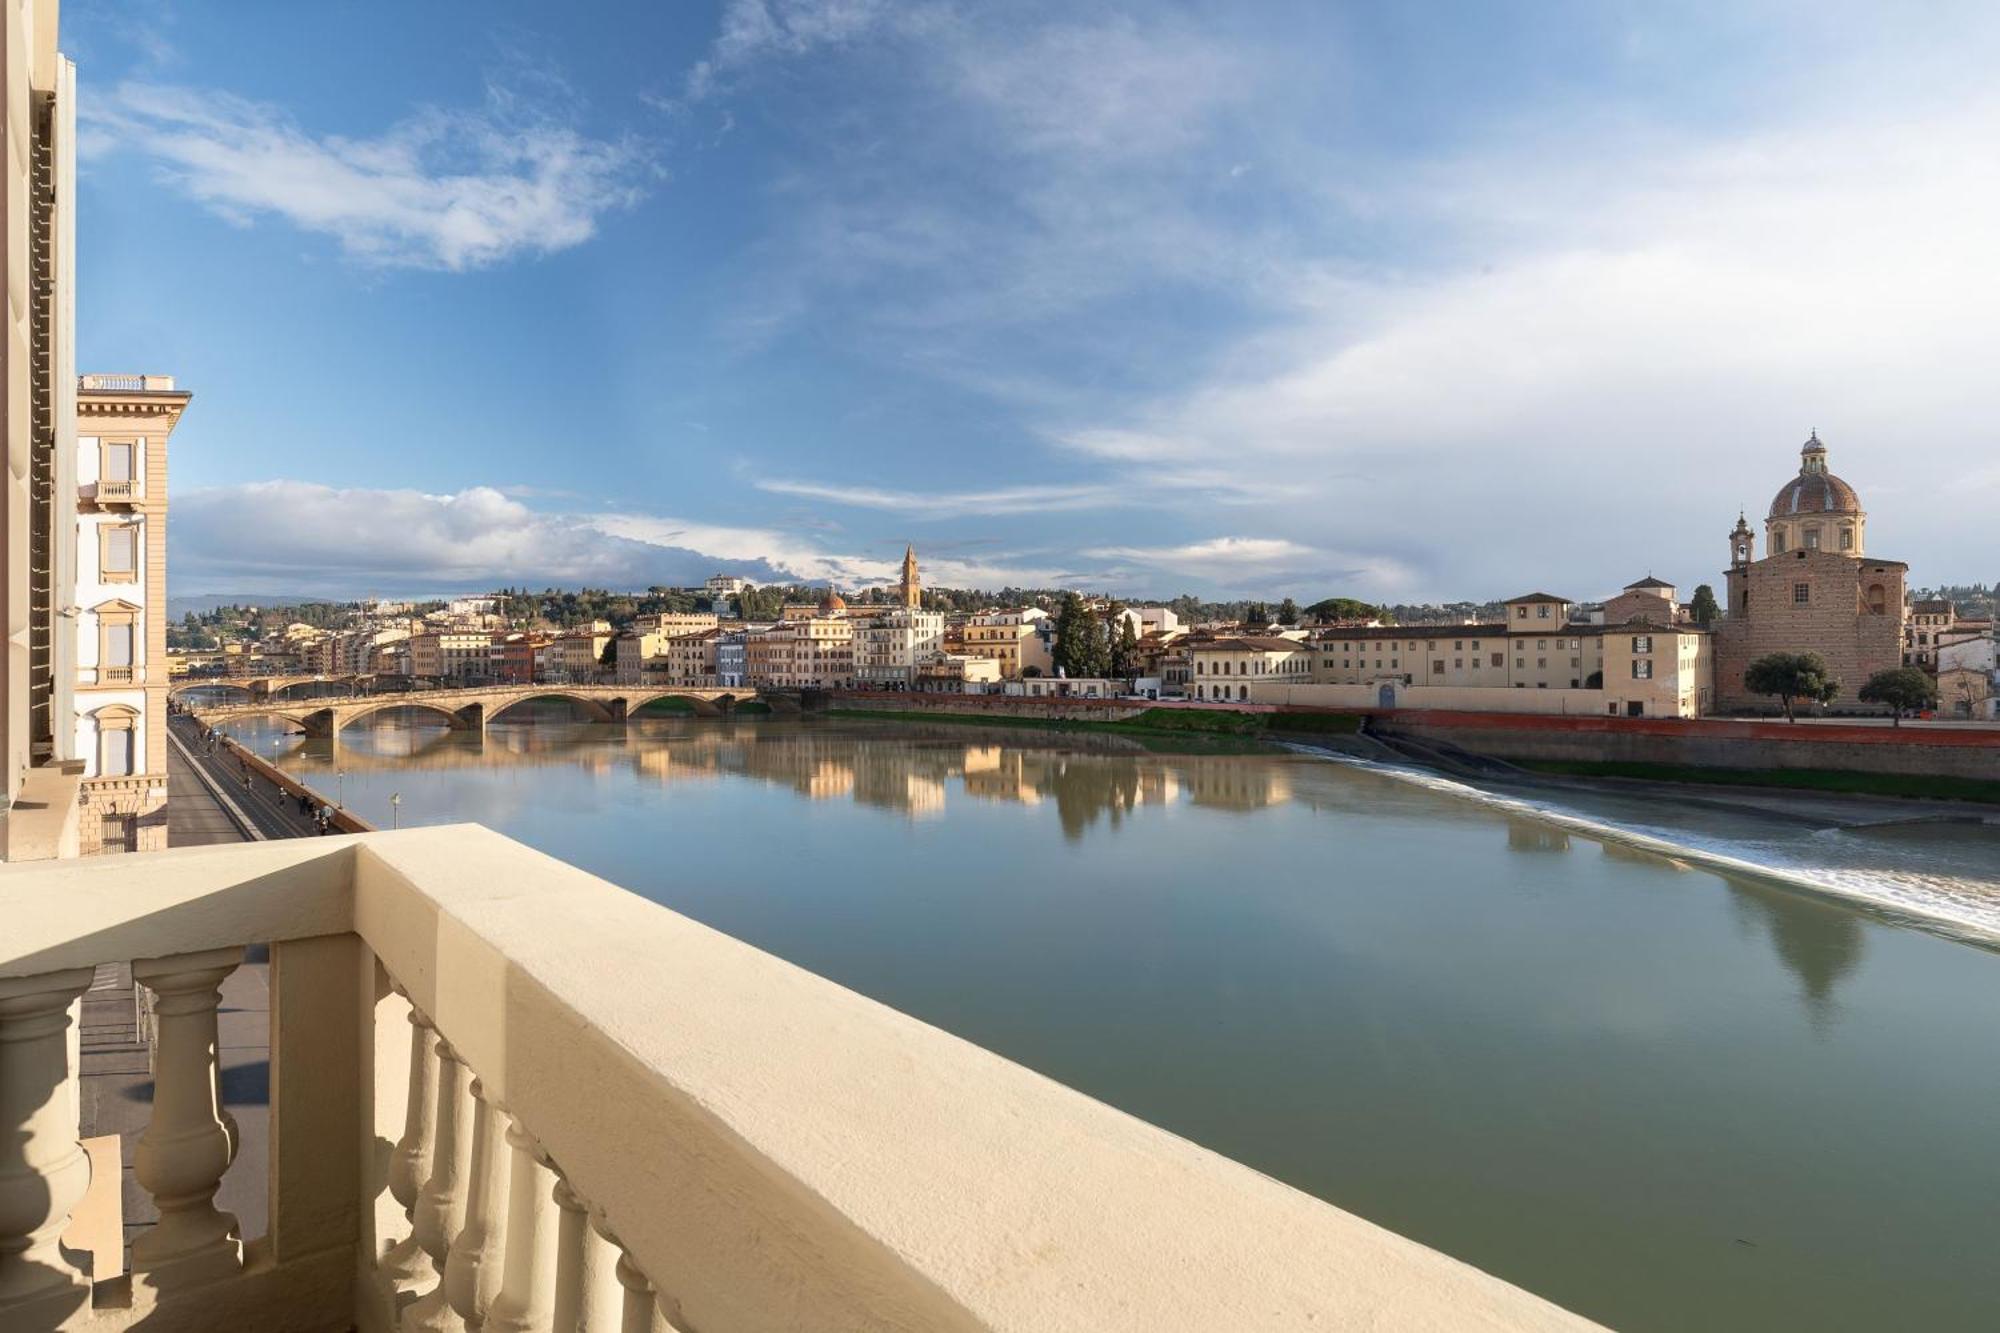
(264, 687)
(471, 709)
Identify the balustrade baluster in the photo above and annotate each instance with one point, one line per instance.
(441, 1206)
(43, 1170)
(472, 1274)
(190, 1140)
(637, 1316)
(637, 1310)
(587, 1292)
(526, 1303)
(405, 1265)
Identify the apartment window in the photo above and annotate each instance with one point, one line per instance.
(1458, 645)
(1642, 643)
(115, 742)
(115, 462)
(1521, 663)
(1642, 669)
(1475, 645)
(1395, 663)
(1542, 664)
(1458, 663)
(1437, 667)
(1498, 660)
(1542, 611)
(1801, 594)
(118, 552)
(1520, 613)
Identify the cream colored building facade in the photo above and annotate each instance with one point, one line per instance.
(451, 654)
(691, 659)
(119, 599)
(888, 648)
(1223, 669)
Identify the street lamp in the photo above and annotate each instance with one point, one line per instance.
(340, 787)
(395, 809)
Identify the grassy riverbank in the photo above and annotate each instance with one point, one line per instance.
(1908, 786)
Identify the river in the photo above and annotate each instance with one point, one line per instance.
(1663, 1095)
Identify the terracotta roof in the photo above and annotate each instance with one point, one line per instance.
(1648, 582)
(1538, 597)
(1248, 643)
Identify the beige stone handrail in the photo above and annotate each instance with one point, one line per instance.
(600, 1106)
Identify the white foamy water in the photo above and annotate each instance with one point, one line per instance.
(1943, 876)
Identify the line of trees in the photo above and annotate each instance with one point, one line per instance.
(1794, 678)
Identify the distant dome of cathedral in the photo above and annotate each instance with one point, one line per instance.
(833, 601)
(1814, 490)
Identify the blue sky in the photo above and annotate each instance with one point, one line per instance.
(1397, 301)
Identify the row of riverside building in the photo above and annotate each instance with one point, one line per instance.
(1638, 654)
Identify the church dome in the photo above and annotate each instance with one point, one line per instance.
(833, 601)
(1814, 490)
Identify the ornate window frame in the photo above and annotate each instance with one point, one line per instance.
(105, 573)
(110, 719)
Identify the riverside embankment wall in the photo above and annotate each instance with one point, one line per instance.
(1962, 752)
(1955, 751)
(285, 782)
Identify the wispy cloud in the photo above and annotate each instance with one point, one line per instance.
(442, 189)
(955, 504)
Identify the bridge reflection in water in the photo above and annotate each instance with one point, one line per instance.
(1085, 778)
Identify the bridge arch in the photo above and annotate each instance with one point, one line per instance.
(347, 716)
(599, 710)
(283, 713)
(704, 705)
(180, 688)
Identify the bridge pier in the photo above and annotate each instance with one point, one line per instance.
(321, 724)
(472, 717)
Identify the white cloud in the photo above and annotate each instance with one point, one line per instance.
(442, 189)
(1216, 550)
(954, 504)
(302, 537)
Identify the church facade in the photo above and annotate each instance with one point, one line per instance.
(1816, 589)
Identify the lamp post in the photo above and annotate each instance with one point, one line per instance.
(395, 809)
(340, 788)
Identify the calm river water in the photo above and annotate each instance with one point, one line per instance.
(1663, 1097)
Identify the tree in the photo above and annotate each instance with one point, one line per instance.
(1081, 651)
(1257, 615)
(1342, 608)
(1791, 676)
(1125, 651)
(1703, 606)
(1904, 689)
(1288, 612)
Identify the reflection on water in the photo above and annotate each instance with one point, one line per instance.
(1663, 1097)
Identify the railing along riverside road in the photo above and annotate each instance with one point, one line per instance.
(508, 1095)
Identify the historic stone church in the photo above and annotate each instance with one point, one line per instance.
(1816, 589)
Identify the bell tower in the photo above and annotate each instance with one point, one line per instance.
(911, 589)
(1742, 551)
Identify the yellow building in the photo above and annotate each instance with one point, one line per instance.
(1010, 638)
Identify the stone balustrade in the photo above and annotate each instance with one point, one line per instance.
(506, 1095)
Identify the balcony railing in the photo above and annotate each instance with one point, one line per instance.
(117, 675)
(118, 490)
(125, 383)
(608, 1117)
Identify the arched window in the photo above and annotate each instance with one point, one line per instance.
(117, 740)
(1812, 538)
(1878, 599)
(1777, 541)
(1847, 539)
